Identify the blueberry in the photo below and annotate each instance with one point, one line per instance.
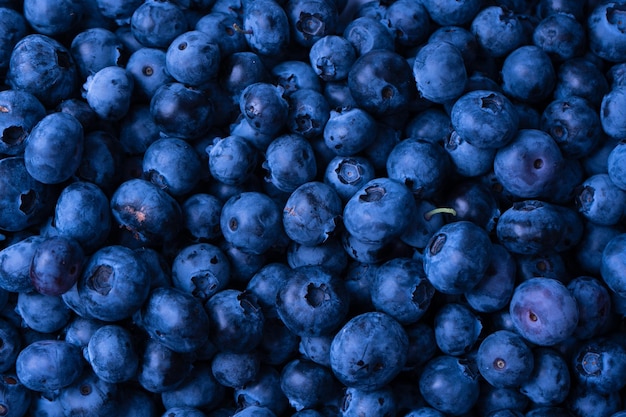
(560, 35)
(94, 49)
(15, 26)
(199, 390)
(600, 201)
(452, 12)
(310, 21)
(366, 403)
(368, 351)
(11, 345)
(498, 31)
(16, 397)
(181, 111)
(612, 264)
(439, 71)
(263, 393)
(504, 359)
(610, 112)
(82, 214)
(232, 159)
(598, 365)
(312, 302)
(156, 24)
(381, 82)
(266, 27)
(250, 221)
(264, 107)
(149, 71)
(332, 57)
(308, 113)
(114, 283)
(201, 270)
(422, 166)
(400, 289)
(615, 169)
(580, 77)
(457, 257)
(295, 75)
(160, 368)
(235, 369)
(15, 263)
(529, 164)
(528, 74)
(193, 58)
(312, 213)
(235, 320)
(605, 31)
(349, 131)
(24, 200)
(529, 227)
(289, 162)
(153, 220)
(111, 354)
(53, 18)
(550, 381)
(173, 165)
(89, 394)
(485, 119)
(379, 211)
(220, 30)
(21, 111)
(544, 311)
(54, 148)
(450, 384)
(48, 365)
(56, 265)
(574, 125)
(166, 316)
(367, 33)
(307, 384)
(42, 66)
(456, 328)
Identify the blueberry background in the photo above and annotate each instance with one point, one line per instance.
(312, 208)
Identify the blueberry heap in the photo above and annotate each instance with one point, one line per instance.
(313, 208)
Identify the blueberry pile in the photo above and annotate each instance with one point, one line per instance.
(313, 208)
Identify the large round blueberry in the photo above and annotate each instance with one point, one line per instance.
(400, 289)
(176, 319)
(457, 256)
(606, 31)
(312, 213)
(381, 82)
(528, 74)
(42, 66)
(422, 166)
(48, 365)
(439, 72)
(56, 265)
(111, 354)
(379, 211)
(544, 311)
(201, 270)
(312, 302)
(504, 359)
(613, 266)
(193, 58)
(21, 112)
(235, 321)
(486, 119)
(54, 148)
(149, 213)
(114, 283)
(82, 213)
(450, 384)
(529, 165)
(369, 351)
(251, 221)
(24, 201)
